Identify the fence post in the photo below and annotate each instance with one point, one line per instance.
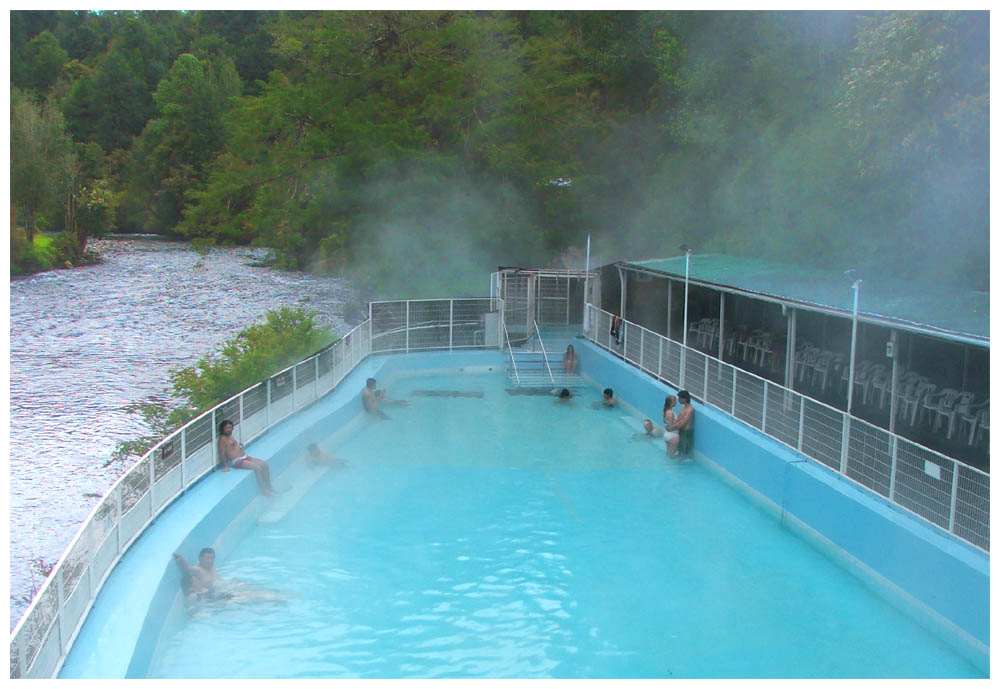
(954, 497)
(642, 343)
(451, 324)
(60, 602)
(683, 366)
(802, 420)
(407, 327)
(705, 396)
(625, 339)
(892, 469)
(659, 360)
(22, 655)
(844, 442)
(732, 408)
(118, 519)
(152, 480)
(763, 410)
(295, 390)
(183, 435)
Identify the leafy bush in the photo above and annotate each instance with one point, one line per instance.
(255, 354)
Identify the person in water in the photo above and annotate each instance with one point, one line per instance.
(317, 456)
(608, 398)
(232, 454)
(684, 424)
(373, 397)
(564, 397)
(650, 430)
(569, 361)
(669, 416)
(203, 574)
(200, 583)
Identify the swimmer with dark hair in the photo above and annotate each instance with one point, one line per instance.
(608, 400)
(564, 396)
(373, 397)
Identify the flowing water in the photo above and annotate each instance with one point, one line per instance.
(85, 343)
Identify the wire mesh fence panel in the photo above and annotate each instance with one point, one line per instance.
(198, 434)
(602, 327)
(35, 627)
(972, 507)
(167, 456)
(650, 352)
(720, 385)
(230, 411)
(429, 324)
(254, 399)
(670, 363)
(388, 326)
(15, 662)
(135, 484)
(749, 406)
(783, 413)
(822, 433)
(514, 292)
(694, 373)
(469, 322)
(325, 361)
(305, 373)
(553, 300)
(923, 482)
(633, 343)
(281, 386)
(869, 456)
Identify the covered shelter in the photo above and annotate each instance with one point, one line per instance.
(911, 357)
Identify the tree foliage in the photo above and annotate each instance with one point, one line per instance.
(357, 141)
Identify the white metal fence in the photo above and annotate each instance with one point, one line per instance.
(949, 494)
(44, 635)
(432, 324)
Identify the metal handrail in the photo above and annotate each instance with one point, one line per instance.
(544, 353)
(848, 424)
(51, 639)
(510, 350)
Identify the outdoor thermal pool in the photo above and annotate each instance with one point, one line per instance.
(508, 536)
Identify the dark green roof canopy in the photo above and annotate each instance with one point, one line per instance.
(926, 307)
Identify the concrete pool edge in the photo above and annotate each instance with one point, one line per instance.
(892, 551)
(130, 614)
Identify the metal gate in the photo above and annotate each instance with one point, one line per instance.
(552, 300)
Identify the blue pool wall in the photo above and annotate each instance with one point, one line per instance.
(941, 579)
(896, 551)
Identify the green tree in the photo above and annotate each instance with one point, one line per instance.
(40, 154)
(45, 58)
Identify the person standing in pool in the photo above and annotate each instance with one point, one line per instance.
(608, 399)
(669, 416)
(684, 424)
(231, 454)
(316, 456)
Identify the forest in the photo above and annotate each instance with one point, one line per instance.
(415, 151)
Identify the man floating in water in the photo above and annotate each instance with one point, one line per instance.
(231, 454)
(608, 400)
(372, 398)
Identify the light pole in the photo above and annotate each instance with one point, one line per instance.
(854, 339)
(684, 333)
(687, 272)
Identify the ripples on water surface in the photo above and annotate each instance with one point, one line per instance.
(87, 342)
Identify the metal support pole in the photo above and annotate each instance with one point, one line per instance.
(792, 328)
(670, 299)
(854, 343)
(659, 360)
(705, 396)
(621, 299)
(954, 497)
(732, 405)
(893, 338)
(407, 328)
(722, 320)
(586, 290)
(451, 324)
(684, 334)
(763, 410)
(844, 442)
(892, 470)
(642, 342)
(184, 476)
(802, 420)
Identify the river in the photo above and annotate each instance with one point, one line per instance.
(85, 343)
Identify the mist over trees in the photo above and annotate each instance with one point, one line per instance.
(417, 150)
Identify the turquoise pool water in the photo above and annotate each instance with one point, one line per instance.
(507, 536)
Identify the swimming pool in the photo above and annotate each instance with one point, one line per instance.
(507, 536)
